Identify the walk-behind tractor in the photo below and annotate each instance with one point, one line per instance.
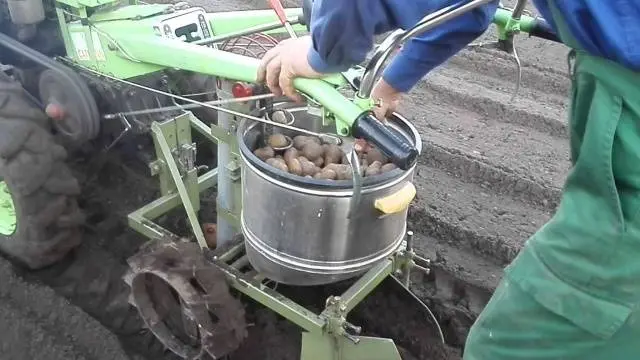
(308, 193)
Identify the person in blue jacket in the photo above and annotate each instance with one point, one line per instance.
(573, 291)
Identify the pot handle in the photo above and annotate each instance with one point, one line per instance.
(398, 201)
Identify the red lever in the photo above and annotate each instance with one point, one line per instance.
(276, 5)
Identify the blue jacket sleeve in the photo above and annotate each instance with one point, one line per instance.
(423, 53)
(342, 32)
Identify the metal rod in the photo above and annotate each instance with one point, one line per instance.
(252, 30)
(399, 36)
(187, 106)
(177, 179)
(518, 10)
(337, 139)
(225, 183)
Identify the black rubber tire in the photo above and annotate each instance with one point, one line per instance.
(43, 188)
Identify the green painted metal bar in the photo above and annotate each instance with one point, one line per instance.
(203, 129)
(275, 301)
(182, 190)
(365, 284)
(166, 203)
(228, 22)
(201, 59)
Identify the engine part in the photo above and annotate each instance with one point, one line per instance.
(79, 120)
(26, 12)
(185, 300)
(297, 230)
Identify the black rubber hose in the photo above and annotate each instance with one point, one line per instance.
(403, 154)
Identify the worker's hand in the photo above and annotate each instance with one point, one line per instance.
(281, 64)
(387, 99)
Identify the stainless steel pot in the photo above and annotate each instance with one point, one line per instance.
(296, 229)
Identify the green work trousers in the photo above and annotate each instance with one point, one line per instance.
(573, 291)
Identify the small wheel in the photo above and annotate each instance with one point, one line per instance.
(39, 215)
(70, 105)
(185, 300)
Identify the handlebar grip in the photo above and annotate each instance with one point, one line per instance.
(543, 30)
(398, 150)
(276, 5)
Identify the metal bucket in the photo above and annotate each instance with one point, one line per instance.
(296, 229)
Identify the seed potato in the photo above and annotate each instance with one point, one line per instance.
(312, 151)
(332, 154)
(388, 167)
(294, 166)
(290, 154)
(326, 174)
(277, 141)
(373, 169)
(264, 153)
(374, 154)
(278, 164)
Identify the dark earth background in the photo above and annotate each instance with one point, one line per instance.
(490, 174)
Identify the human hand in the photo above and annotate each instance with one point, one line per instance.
(387, 99)
(281, 64)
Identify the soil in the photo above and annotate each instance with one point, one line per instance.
(489, 176)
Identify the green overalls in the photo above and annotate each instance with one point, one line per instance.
(573, 292)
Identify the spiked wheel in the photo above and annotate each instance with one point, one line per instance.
(185, 301)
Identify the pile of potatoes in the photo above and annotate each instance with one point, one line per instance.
(309, 157)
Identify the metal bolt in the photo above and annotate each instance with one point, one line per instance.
(409, 240)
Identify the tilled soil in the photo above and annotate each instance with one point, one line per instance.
(490, 174)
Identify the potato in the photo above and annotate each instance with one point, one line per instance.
(374, 154)
(326, 174)
(315, 140)
(278, 164)
(264, 153)
(343, 172)
(312, 151)
(277, 141)
(319, 162)
(332, 154)
(279, 116)
(294, 166)
(291, 153)
(300, 141)
(388, 167)
(373, 169)
(308, 168)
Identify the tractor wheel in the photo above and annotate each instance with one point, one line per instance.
(39, 215)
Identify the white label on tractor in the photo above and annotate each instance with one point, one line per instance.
(189, 25)
(80, 44)
(97, 47)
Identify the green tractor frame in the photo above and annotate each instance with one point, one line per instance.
(78, 72)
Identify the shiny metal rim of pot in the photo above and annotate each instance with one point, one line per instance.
(319, 267)
(321, 186)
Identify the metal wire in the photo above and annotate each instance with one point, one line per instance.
(255, 45)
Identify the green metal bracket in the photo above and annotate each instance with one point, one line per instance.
(508, 26)
(176, 168)
(141, 220)
(329, 348)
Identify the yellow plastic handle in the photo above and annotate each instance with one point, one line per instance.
(398, 201)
